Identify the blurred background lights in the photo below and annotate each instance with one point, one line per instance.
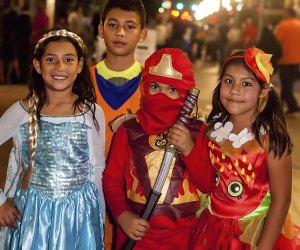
(226, 5)
(239, 7)
(185, 16)
(166, 5)
(194, 7)
(208, 7)
(161, 10)
(179, 6)
(175, 13)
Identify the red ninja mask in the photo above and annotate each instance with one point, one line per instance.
(168, 66)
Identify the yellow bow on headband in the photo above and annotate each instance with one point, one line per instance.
(264, 65)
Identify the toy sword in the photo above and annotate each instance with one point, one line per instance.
(170, 153)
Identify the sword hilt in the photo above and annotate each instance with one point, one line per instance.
(186, 111)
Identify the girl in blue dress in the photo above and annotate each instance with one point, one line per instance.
(56, 164)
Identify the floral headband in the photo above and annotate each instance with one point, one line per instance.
(61, 33)
(259, 62)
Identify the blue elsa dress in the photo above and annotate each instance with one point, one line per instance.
(62, 207)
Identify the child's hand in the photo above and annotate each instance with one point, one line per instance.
(180, 136)
(133, 226)
(8, 214)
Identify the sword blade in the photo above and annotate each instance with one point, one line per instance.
(164, 169)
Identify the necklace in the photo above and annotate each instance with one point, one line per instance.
(222, 132)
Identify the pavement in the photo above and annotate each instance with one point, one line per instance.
(206, 75)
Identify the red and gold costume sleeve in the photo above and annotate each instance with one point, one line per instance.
(113, 176)
(198, 164)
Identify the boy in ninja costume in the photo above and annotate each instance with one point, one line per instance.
(136, 155)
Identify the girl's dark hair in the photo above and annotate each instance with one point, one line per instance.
(83, 88)
(271, 119)
(136, 6)
(83, 85)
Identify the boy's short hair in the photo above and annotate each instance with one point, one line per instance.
(127, 5)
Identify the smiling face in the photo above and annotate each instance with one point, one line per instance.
(59, 66)
(122, 31)
(240, 92)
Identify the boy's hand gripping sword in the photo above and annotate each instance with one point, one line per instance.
(170, 152)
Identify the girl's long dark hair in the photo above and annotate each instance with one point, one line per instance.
(83, 88)
(83, 85)
(271, 119)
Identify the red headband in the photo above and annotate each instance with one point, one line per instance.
(259, 62)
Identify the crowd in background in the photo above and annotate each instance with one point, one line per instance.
(20, 30)
(214, 41)
(19, 34)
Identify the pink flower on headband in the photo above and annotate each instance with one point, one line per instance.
(259, 62)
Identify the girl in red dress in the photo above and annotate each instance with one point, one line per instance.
(250, 150)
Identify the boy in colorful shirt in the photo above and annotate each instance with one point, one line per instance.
(116, 78)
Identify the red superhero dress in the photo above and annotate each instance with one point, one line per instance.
(235, 211)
